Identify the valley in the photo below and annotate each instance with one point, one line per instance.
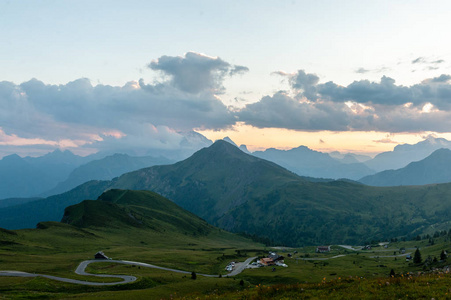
(145, 227)
(160, 221)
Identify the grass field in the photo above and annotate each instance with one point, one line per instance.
(58, 250)
(190, 244)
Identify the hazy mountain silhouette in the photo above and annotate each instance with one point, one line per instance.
(404, 154)
(436, 168)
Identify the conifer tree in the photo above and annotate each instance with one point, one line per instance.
(417, 257)
(443, 255)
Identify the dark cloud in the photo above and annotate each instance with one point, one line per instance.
(195, 73)
(362, 105)
(444, 78)
(282, 111)
(307, 83)
(82, 113)
(364, 91)
(436, 91)
(303, 82)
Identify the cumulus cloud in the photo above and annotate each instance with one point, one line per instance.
(80, 114)
(283, 111)
(362, 105)
(195, 72)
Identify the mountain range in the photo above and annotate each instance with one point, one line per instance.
(31, 176)
(306, 162)
(242, 193)
(404, 154)
(59, 171)
(436, 168)
(105, 169)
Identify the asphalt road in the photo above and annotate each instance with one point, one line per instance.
(125, 278)
(239, 267)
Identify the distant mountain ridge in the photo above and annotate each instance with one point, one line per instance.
(106, 169)
(436, 168)
(55, 172)
(31, 176)
(306, 162)
(243, 193)
(404, 154)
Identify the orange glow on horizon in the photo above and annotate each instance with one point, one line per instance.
(359, 142)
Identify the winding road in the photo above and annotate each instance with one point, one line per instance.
(125, 278)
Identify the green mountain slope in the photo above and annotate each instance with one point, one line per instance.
(436, 168)
(138, 209)
(106, 169)
(127, 225)
(27, 215)
(242, 193)
(212, 181)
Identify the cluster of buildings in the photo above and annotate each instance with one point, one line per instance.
(273, 259)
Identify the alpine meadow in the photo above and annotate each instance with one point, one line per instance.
(225, 150)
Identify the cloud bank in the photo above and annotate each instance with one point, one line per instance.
(360, 106)
(81, 115)
(136, 114)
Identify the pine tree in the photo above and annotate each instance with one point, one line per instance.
(417, 257)
(443, 255)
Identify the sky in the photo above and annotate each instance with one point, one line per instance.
(352, 76)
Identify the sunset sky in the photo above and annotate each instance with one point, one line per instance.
(360, 76)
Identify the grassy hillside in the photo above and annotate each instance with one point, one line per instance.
(343, 273)
(242, 193)
(129, 225)
(135, 209)
(212, 181)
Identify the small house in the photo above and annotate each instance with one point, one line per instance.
(271, 260)
(322, 249)
(100, 255)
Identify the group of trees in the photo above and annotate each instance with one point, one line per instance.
(418, 260)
